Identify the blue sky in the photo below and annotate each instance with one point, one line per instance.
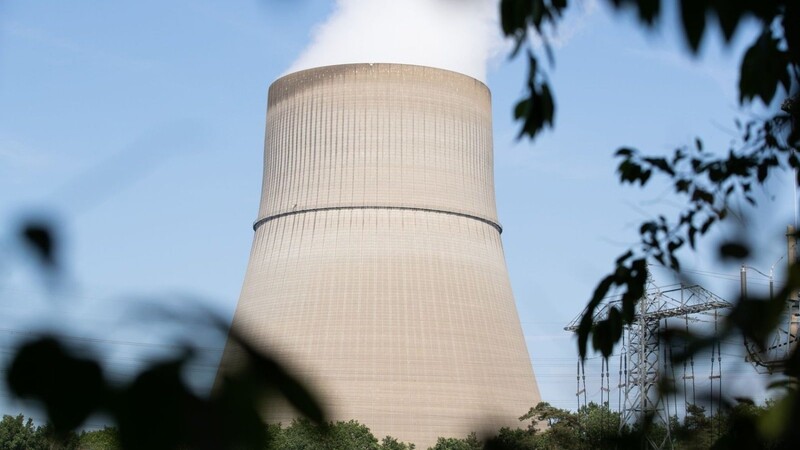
(139, 127)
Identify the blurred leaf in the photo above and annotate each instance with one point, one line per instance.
(775, 420)
(793, 363)
(686, 344)
(707, 224)
(733, 250)
(547, 105)
(786, 383)
(521, 110)
(512, 14)
(159, 395)
(764, 67)
(602, 338)
(762, 172)
(661, 164)
(615, 323)
(585, 326)
(729, 14)
(69, 388)
(701, 195)
(648, 10)
(39, 238)
(693, 17)
(791, 30)
(537, 13)
(625, 152)
(236, 405)
(631, 172)
(273, 376)
(757, 318)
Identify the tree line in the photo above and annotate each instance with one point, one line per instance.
(544, 427)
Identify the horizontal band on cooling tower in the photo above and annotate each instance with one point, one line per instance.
(260, 222)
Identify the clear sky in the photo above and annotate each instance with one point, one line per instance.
(138, 127)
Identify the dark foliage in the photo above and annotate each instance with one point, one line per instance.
(710, 182)
(157, 409)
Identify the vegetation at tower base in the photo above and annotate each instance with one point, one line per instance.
(710, 182)
(19, 433)
(592, 427)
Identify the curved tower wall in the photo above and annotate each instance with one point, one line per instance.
(377, 271)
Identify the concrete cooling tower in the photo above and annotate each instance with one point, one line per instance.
(377, 272)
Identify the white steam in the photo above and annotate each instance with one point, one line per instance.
(458, 35)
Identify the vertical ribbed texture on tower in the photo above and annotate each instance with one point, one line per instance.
(377, 271)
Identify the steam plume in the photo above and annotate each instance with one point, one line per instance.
(458, 35)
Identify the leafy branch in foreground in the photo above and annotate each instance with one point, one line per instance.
(157, 409)
(765, 66)
(522, 21)
(710, 185)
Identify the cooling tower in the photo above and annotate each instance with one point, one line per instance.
(377, 272)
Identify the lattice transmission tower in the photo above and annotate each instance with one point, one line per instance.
(643, 360)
